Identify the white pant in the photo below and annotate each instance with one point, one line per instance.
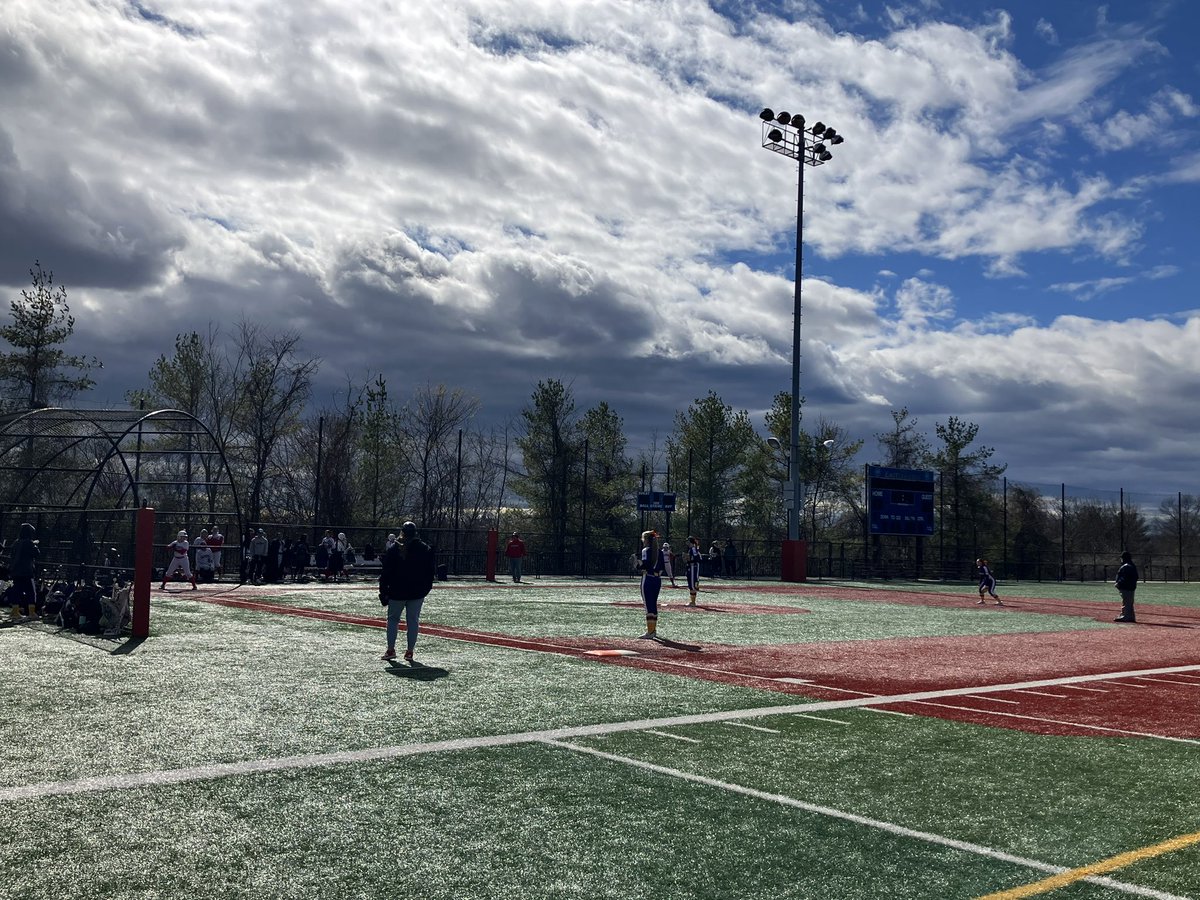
(179, 562)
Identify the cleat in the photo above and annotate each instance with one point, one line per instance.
(649, 636)
(389, 654)
(408, 656)
(979, 602)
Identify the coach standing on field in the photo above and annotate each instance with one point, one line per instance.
(405, 580)
(1127, 579)
(515, 551)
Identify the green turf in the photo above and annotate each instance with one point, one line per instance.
(215, 684)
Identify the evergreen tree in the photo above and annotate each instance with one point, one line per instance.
(718, 442)
(551, 452)
(37, 368)
(968, 481)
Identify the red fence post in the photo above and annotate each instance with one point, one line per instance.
(143, 571)
(493, 545)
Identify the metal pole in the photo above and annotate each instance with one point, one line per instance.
(1179, 526)
(457, 498)
(583, 540)
(794, 460)
(1062, 518)
(317, 478)
(689, 493)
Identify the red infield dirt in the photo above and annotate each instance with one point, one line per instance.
(1160, 706)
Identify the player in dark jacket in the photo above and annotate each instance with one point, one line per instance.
(405, 580)
(1126, 584)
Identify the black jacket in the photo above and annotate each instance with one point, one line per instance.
(23, 563)
(1127, 577)
(406, 571)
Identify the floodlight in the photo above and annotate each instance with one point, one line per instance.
(818, 149)
(798, 122)
(818, 129)
(783, 118)
(836, 139)
(767, 115)
(829, 133)
(826, 156)
(775, 136)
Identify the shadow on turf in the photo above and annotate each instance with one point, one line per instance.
(416, 671)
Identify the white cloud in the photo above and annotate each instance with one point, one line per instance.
(1046, 32)
(533, 186)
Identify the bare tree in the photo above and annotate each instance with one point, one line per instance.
(274, 383)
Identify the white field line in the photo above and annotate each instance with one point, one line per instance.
(1168, 681)
(1043, 694)
(994, 699)
(1075, 687)
(1140, 687)
(821, 719)
(890, 712)
(1191, 677)
(996, 712)
(755, 727)
(888, 827)
(674, 737)
(343, 757)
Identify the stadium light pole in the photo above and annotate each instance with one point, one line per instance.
(789, 136)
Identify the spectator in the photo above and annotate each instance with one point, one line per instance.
(730, 559)
(324, 551)
(216, 541)
(515, 551)
(273, 570)
(299, 558)
(259, 547)
(23, 571)
(205, 567)
(714, 559)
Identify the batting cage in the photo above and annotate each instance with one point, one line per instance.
(85, 478)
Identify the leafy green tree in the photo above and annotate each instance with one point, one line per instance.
(38, 367)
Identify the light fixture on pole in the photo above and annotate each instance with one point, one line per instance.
(789, 136)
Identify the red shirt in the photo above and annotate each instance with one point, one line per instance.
(515, 548)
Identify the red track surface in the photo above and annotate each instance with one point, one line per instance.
(1167, 705)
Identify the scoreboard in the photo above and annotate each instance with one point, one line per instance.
(900, 501)
(655, 501)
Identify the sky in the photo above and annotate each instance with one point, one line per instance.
(490, 194)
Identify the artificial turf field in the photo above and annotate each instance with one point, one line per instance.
(827, 740)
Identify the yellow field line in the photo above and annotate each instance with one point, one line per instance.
(1097, 868)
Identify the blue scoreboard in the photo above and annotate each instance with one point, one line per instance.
(900, 501)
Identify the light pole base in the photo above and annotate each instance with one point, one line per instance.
(794, 559)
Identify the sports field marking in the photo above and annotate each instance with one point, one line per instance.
(889, 827)
(755, 727)
(1076, 687)
(1043, 694)
(996, 712)
(821, 719)
(1170, 681)
(343, 757)
(1084, 873)
(890, 712)
(994, 699)
(674, 737)
(1140, 687)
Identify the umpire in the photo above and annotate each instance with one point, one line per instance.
(405, 579)
(1126, 584)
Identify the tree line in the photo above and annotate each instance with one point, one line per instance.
(372, 457)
